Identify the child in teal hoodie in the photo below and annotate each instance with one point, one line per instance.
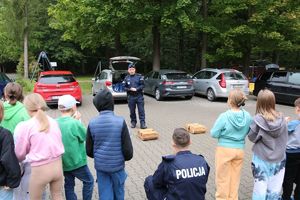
(230, 129)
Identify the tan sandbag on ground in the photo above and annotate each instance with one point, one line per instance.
(195, 128)
(147, 134)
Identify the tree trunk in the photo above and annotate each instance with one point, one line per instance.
(203, 50)
(247, 61)
(83, 68)
(118, 44)
(156, 44)
(198, 52)
(204, 36)
(275, 57)
(180, 49)
(26, 42)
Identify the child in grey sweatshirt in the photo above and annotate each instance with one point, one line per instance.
(268, 132)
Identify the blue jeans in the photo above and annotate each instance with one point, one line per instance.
(83, 173)
(111, 185)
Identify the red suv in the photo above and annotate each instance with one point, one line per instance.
(53, 84)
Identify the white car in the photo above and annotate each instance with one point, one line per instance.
(112, 78)
(215, 83)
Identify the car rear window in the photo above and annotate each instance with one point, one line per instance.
(279, 77)
(177, 76)
(234, 76)
(294, 78)
(265, 76)
(55, 79)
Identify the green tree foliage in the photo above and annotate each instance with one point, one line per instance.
(167, 34)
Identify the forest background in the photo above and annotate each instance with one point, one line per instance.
(176, 34)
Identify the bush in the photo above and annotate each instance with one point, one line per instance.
(33, 68)
(26, 84)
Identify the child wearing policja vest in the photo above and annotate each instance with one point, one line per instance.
(73, 137)
(230, 129)
(292, 167)
(182, 175)
(269, 134)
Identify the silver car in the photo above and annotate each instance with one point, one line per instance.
(215, 83)
(112, 78)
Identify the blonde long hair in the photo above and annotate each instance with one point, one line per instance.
(265, 105)
(35, 103)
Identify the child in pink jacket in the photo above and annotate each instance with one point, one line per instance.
(39, 141)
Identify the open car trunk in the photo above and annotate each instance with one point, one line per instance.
(117, 80)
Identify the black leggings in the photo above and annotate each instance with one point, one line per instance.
(292, 175)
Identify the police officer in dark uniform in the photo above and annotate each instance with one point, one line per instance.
(182, 176)
(134, 85)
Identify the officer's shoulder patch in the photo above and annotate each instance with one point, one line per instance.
(168, 158)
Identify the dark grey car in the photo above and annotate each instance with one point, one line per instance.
(169, 83)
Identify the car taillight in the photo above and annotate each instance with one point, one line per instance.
(108, 83)
(190, 82)
(167, 83)
(222, 82)
(75, 85)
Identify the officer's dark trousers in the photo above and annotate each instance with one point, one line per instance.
(153, 193)
(291, 176)
(138, 101)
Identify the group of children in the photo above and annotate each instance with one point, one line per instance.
(37, 150)
(275, 162)
(276, 149)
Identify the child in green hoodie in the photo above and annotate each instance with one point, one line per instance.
(14, 110)
(230, 129)
(74, 159)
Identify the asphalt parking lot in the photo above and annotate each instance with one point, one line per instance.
(164, 117)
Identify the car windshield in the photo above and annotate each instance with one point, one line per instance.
(54, 79)
(177, 76)
(234, 76)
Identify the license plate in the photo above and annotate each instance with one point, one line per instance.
(55, 97)
(181, 87)
(237, 86)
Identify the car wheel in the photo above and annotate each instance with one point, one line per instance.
(211, 95)
(188, 97)
(157, 94)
